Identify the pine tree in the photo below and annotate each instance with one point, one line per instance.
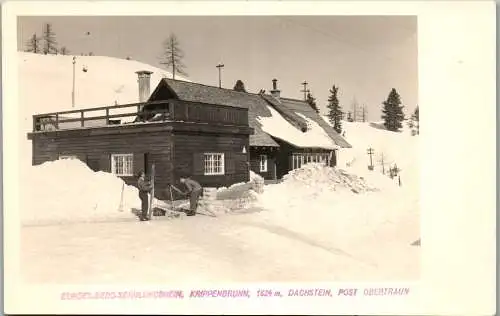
(393, 112)
(49, 37)
(239, 86)
(33, 45)
(64, 50)
(172, 55)
(312, 102)
(335, 112)
(416, 119)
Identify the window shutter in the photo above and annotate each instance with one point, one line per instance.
(105, 163)
(138, 163)
(198, 164)
(230, 163)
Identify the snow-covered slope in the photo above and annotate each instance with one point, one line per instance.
(45, 81)
(394, 148)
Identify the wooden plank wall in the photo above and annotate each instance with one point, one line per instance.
(255, 162)
(198, 112)
(96, 151)
(188, 146)
(284, 160)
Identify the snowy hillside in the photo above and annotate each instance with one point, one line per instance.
(393, 148)
(45, 81)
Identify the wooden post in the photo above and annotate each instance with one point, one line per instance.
(219, 66)
(151, 198)
(107, 116)
(370, 153)
(382, 162)
(57, 120)
(305, 90)
(81, 118)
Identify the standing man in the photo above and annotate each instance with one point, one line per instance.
(194, 191)
(144, 188)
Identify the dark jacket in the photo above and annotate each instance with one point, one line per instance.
(143, 186)
(192, 185)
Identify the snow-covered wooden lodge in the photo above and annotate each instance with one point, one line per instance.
(212, 134)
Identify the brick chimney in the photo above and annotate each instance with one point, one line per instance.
(143, 78)
(275, 92)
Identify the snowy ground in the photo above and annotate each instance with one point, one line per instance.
(310, 227)
(231, 248)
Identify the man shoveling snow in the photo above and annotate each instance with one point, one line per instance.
(194, 190)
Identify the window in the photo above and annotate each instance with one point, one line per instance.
(263, 163)
(122, 164)
(214, 164)
(299, 159)
(61, 157)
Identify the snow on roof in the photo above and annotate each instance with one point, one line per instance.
(196, 92)
(314, 137)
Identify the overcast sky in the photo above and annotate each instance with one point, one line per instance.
(365, 56)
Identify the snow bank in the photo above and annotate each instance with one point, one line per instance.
(278, 127)
(67, 190)
(318, 202)
(317, 176)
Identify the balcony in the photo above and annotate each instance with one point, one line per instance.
(140, 113)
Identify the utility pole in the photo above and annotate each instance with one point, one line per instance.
(220, 66)
(355, 109)
(73, 91)
(305, 90)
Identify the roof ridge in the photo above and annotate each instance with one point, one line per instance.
(292, 99)
(214, 87)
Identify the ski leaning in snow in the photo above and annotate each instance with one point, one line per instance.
(151, 198)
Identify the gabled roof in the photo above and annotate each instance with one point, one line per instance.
(195, 92)
(257, 105)
(298, 106)
(288, 115)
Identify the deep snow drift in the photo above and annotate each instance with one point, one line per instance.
(88, 196)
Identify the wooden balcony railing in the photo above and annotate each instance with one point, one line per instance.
(66, 119)
(165, 110)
